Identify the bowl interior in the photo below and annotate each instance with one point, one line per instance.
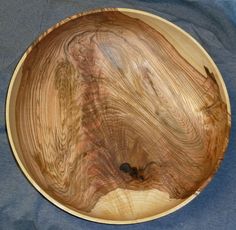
(118, 116)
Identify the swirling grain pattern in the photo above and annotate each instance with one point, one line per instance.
(105, 90)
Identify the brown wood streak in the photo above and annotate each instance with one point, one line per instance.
(105, 89)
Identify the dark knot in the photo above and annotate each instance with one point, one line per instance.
(133, 171)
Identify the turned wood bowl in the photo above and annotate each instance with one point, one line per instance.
(117, 116)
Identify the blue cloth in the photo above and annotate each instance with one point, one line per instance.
(211, 22)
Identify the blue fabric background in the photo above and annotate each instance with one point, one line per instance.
(211, 22)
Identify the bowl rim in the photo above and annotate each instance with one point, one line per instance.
(24, 170)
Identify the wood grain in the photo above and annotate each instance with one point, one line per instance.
(106, 102)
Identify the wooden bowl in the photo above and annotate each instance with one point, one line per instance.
(117, 116)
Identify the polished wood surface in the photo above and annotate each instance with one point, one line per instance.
(114, 120)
